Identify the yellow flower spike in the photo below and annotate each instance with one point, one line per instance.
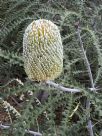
(42, 50)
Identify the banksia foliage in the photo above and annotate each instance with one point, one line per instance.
(42, 50)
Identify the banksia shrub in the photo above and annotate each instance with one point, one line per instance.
(42, 50)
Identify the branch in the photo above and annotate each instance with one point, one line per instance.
(91, 80)
(86, 59)
(70, 90)
(27, 131)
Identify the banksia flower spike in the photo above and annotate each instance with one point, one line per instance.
(42, 50)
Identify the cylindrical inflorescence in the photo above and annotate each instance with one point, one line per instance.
(42, 50)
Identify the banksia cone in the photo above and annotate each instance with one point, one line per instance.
(42, 50)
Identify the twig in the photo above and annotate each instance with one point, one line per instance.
(27, 131)
(4, 126)
(33, 133)
(62, 88)
(91, 80)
